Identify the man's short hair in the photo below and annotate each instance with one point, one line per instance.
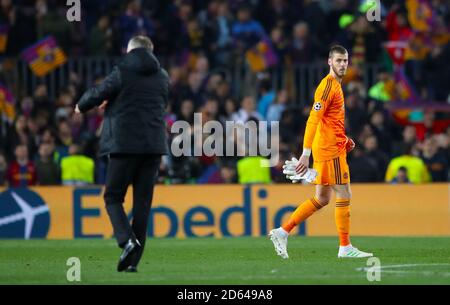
(140, 42)
(337, 49)
(403, 169)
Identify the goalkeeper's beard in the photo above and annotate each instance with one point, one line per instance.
(336, 72)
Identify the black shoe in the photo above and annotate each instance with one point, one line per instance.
(130, 248)
(131, 269)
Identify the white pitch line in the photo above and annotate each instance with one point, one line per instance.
(405, 272)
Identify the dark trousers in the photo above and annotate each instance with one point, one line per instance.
(141, 172)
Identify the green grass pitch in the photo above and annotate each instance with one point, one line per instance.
(313, 260)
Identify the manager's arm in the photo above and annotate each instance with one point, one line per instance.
(106, 90)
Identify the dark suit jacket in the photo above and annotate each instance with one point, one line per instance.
(137, 92)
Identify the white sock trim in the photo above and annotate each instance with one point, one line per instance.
(345, 248)
(283, 232)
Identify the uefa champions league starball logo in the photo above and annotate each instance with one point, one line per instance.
(23, 214)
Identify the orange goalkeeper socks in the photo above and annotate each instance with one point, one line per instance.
(304, 210)
(342, 217)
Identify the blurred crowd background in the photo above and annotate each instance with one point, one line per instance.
(234, 61)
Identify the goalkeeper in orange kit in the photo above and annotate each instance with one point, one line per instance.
(325, 138)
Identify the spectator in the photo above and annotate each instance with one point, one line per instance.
(417, 170)
(53, 22)
(48, 172)
(187, 111)
(408, 139)
(4, 133)
(184, 169)
(430, 125)
(289, 126)
(435, 161)
(196, 41)
(221, 40)
(177, 26)
(376, 156)
(19, 135)
(223, 92)
(443, 142)
(381, 130)
(21, 172)
(27, 106)
(383, 90)
(276, 13)
(214, 80)
(20, 23)
(222, 172)
(274, 112)
(42, 101)
(210, 110)
(227, 174)
(363, 169)
(397, 24)
(229, 108)
(133, 22)
(280, 45)
(355, 114)
(247, 111)
(436, 73)
(195, 90)
(401, 177)
(313, 14)
(301, 49)
(207, 15)
(178, 87)
(253, 170)
(202, 69)
(77, 169)
(267, 96)
(34, 135)
(100, 38)
(3, 169)
(64, 140)
(246, 31)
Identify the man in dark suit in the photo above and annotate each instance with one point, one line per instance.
(133, 137)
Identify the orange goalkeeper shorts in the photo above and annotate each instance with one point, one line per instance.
(333, 171)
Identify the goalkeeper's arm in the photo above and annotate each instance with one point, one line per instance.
(321, 97)
(310, 132)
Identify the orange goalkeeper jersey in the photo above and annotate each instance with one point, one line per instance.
(325, 131)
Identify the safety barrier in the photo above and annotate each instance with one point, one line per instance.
(300, 80)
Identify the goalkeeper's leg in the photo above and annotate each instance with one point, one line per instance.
(309, 207)
(342, 216)
(304, 210)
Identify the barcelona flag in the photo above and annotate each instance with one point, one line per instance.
(45, 56)
(7, 104)
(406, 90)
(4, 30)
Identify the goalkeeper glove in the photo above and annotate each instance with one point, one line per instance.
(289, 171)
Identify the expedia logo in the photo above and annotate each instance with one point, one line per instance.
(23, 214)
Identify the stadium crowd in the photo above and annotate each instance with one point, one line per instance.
(48, 144)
